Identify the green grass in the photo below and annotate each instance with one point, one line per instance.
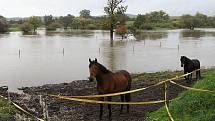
(191, 106)
(6, 110)
(160, 76)
(156, 77)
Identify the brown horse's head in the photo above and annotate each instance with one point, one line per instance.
(93, 68)
(96, 69)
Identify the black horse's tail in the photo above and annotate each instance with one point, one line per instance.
(197, 66)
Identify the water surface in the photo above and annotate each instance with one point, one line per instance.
(42, 60)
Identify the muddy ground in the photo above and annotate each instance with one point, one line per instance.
(63, 110)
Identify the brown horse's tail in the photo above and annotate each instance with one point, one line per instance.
(129, 82)
(128, 77)
(128, 96)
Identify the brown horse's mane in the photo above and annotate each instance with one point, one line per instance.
(100, 66)
(103, 69)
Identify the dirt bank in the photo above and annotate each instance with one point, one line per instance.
(63, 110)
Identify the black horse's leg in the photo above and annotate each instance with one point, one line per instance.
(109, 108)
(190, 79)
(101, 108)
(199, 74)
(127, 99)
(122, 100)
(185, 76)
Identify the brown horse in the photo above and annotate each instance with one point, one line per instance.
(109, 82)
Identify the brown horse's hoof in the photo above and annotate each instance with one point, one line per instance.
(121, 112)
(100, 118)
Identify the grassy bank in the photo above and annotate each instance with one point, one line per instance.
(6, 111)
(192, 106)
(90, 111)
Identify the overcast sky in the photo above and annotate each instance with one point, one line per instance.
(25, 8)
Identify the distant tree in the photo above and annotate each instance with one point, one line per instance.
(35, 22)
(104, 23)
(201, 20)
(152, 20)
(48, 19)
(66, 21)
(85, 13)
(188, 21)
(113, 7)
(139, 21)
(26, 27)
(53, 26)
(84, 22)
(211, 21)
(75, 23)
(158, 17)
(3, 25)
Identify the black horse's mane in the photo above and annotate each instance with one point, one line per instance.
(103, 69)
(187, 59)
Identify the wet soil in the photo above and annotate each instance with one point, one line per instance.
(64, 110)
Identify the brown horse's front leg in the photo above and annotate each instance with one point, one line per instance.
(122, 100)
(128, 99)
(109, 108)
(101, 108)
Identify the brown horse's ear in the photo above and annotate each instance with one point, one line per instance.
(95, 60)
(90, 60)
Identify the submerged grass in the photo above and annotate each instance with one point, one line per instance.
(192, 106)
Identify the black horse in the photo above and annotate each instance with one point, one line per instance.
(189, 66)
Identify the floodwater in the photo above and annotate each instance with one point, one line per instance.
(57, 57)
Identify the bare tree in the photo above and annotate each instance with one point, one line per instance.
(112, 9)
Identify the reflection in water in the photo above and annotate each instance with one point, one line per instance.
(70, 32)
(192, 33)
(151, 35)
(114, 55)
(3, 35)
(210, 34)
(196, 34)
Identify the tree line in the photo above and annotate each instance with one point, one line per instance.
(160, 19)
(115, 18)
(148, 21)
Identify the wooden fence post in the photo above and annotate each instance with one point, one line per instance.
(166, 94)
(43, 103)
(19, 53)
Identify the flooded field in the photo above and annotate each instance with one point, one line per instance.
(56, 57)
